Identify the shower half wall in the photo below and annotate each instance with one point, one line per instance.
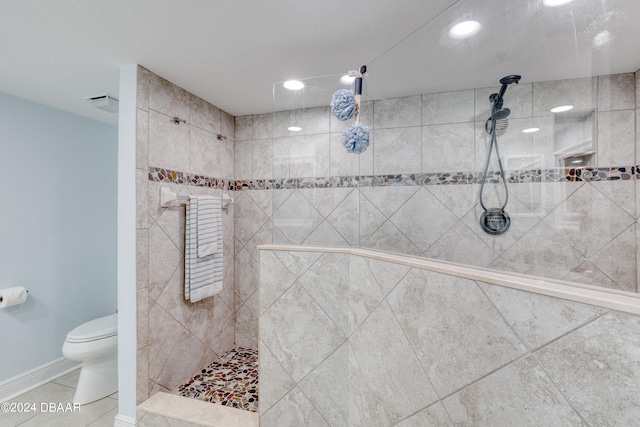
(353, 337)
(415, 191)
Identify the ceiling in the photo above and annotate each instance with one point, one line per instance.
(230, 52)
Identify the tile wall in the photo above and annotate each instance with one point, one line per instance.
(347, 339)
(578, 225)
(177, 338)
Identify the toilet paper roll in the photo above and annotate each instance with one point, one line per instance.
(12, 296)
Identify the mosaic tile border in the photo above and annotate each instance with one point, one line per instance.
(586, 174)
(175, 177)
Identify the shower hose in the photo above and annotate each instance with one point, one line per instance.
(494, 142)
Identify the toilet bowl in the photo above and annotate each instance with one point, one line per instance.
(95, 344)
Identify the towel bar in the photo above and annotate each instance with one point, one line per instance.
(167, 197)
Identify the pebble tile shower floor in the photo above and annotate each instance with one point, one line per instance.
(232, 380)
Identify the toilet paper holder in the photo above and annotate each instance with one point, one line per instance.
(9, 300)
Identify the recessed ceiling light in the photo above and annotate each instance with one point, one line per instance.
(530, 130)
(562, 108)
(347, 79)
(464, 29)
(293, 84)
(555, 3)
(294, 128)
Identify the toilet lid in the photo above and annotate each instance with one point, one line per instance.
(96, 329)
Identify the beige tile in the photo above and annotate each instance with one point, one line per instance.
(448, 147)
(142, 198)
(228, 160)
(617, 259)
(204, 115)
(520, 394)
(297, 261)
(296, 218)
(616, 92)
(397, 151)
(142, 90)
(539, 319)
(227, 125)
(542, 252)
(327, 281)
(387, 274)
(275, 278)
(312, 120)
(142, 139)
(327, 387)
(246, 328)
(457, 333)
(263, 126)
(388, 199)
(616, 133)
(448, 107)
(169, 144)
(206, 153)
(423, 219)
(142, 258)
(460, 244)
(286, 326)
(164, 258)
(342, 163)
(262, 159)
(364, 293)
(309, 155)
(589, 220)
(281, 157)
(164, 334)
(294, 409)
(243, 128)
(247, 274)
(397, 112)
(275, 382)
(595, 368)
(434, 415)
(587, 273)
(142, 318)
(343, 219)
(325, 235)
(581, 93)
(243, 159)
(389, 238)
(169, 99)
(397, 384)
(142, 374)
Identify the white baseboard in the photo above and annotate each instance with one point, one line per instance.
(22, 383)
(124, 421)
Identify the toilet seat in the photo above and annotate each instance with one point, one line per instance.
(97, 329)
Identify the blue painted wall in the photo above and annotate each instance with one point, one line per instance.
(58, 177)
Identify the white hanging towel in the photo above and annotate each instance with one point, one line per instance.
(203, 267)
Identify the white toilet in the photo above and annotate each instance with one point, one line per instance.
(95, 344)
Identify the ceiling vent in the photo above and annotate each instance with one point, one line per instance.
(104, 102)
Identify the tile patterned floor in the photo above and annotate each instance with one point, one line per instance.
(61, 390)
(232, 380)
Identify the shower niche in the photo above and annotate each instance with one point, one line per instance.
(575, 139)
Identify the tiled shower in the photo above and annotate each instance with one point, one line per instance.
(414, 191)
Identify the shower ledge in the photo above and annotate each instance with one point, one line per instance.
(628, 302)
(198, 412)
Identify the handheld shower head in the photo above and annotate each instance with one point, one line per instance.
(510, 79)
(506, 81)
